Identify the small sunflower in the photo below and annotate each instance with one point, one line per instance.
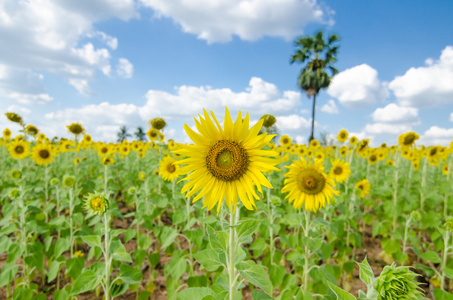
(153, 134)
(340, 170)
(372, 159)
(76, 129)
(106, 160)
(96, 204)
(42, 154)
(445, 169)
(364, 187)
(408, 139)
(314, 144)
(268, 120)
(103, 149)
(390, 162)
(226, 163)
(68, 181)
(353, 140)
(342, 136)
(343, 151)
(19, 149)
(31, 130)
(308, 185)
(158, 123)
(142, 175)
(7, 134)
(13, 117)
(168, 170)
(78, 253)
(285, 140)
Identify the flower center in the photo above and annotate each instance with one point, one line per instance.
(19, 149)
(171, 168)
(409, 139)
(44, 153)
(338, 170)
(227, 160)
(104, 150)
(311, 181)
(97, 204)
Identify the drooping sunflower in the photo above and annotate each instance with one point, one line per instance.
(19, 149)
(342, 136)
(408, 139)
(76, 129)
(168, 170)
(42, 154)
(268, 120)
(157, 123)
(308, 185)
(364, 187)
(226, 163)
(340, 170)
(13, 117)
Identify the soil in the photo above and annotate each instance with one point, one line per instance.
(371, 249)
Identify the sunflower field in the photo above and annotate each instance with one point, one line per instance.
(237, 214)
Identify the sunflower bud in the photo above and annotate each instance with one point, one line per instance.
(54, 181)
(15, 174)
(142, 175)
(13, 117)
(131, 190)
(96, 204)
(449, 224)
(397, 283)
(68, 181)
(276, 201)
(415, 215)
(13, 193)
(158, 123)
(268, 120)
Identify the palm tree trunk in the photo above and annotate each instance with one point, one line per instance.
(313, 119)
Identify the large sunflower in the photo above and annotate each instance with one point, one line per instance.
(42, 154)
(308, 185)
(226, 162)
(168, 170)
(19, 149)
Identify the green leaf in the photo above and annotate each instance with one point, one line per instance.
(209, 259)
(341, 294)
(366, 273)
(247, 228)
(154, 259)
(260, 295)
(87, 281)
(129, 235)
(431, 256)
(197, 281)
(167, 236)
(139, 256)
(130, 275)
(428, 270)
(14, 252)
(22, 293)
(195, 293)
(74, 266)
(55, 267)
(119, 251)
(390, 246)
(448, 272)
(61, 246)
(92, 240)
(257, 276)
(276, 273)
(8, 272)
(442, 295)
(60, 295)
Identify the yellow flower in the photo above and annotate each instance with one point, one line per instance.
(153, 134)
(390, 162)
(19, 149)
(103, 149)
(75, 128)
(340, 170)
(445, 169)
(342, 136)
(408, 139)
(364, 186)
(158, 123)
(226, 163)
(372, 159)
(32, 130)
(268, 120)
(142, 175)
(42, 154)
(96, 204)
(78, 253)
(107, 160)
(314, 144)
(168, 170)
(7, 134)
(285, 140)
(343, 151)
(353, 140)
(308, 185)
(13, 117)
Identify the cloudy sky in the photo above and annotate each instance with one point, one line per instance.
(109, 63)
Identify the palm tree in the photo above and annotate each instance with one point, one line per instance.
(319, 56)
(140, 134)
(123, 134)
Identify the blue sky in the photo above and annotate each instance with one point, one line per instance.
(122, 62)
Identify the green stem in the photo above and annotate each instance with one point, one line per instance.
(107, 255)
(105, 180)
(232, 253)
(444, 259)
(71, 229)
(306, 250)
(395, 192)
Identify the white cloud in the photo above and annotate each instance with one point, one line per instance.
(393, 113)
(124, 68)
(430, 85)
(220, 20)
(436, 136)
(259, 98)
(385, 128)
(30, 98)
(451, 117)
(292, 123)
(330, 107)
(45, 35)
(358, 87)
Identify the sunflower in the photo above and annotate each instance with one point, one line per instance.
(342, 136)
(416, 164)
(340, 170)
(268, 120)
(314, 144)
(87, 139)
(125, 148)
(19, 149)
(76, 129)
(343, 151)
(308, 185)
(103, 149)
(364, 187)
(13, 117)
(157, 123)
(96, 204)
(171, 144)
(42, 154)
(353, 140)
(302, 151)
(445, 169)
(7, 134)
(390, 162)
(408, 139)
(153, 134)
(285, 140)
(168, 170)
(107, 161)
(372, 159)
(31, 130)
(226, 162)
(68, 181)
(142, 175)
